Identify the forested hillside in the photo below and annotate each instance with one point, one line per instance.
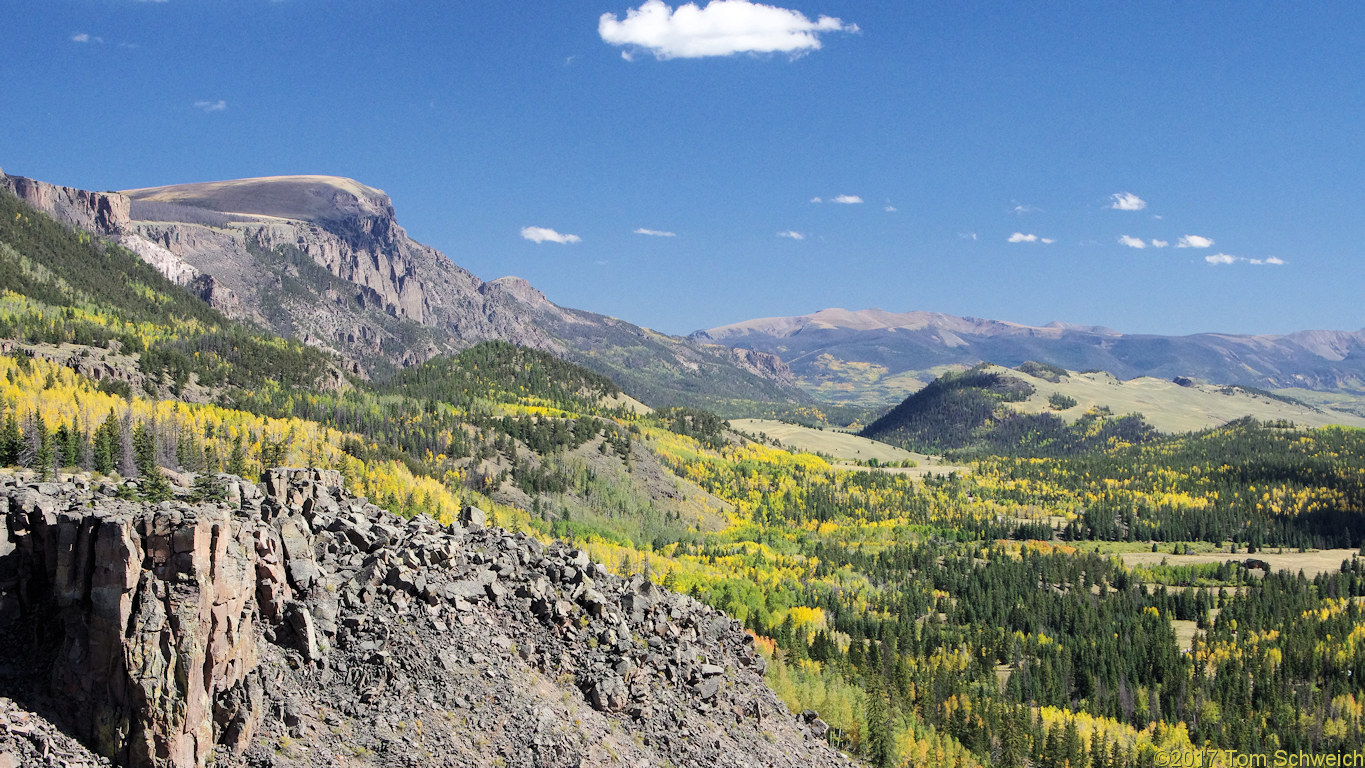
(974, 619)
(966, 414)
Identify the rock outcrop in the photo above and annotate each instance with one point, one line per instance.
(323, 260)
(106, 213)
(293, 625)
(109, 214)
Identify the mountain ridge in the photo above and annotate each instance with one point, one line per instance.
(844, 354)
(324, 260)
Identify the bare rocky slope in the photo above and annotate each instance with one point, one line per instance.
(323, 259)
(845, 354)
(292, 625)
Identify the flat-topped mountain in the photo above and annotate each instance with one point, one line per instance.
(308, 198)
(875, 356)
(323, 259)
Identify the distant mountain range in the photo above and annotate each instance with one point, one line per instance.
(873, 356)
(323, 259)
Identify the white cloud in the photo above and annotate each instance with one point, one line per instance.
(1159, 243)
(655, 232)
(1127, 201)
(722, 28)
(1193, 241)
(843, 199)
(1022, 209)
(547, 235)
(211, 106)
(792, 234)
(967, 235)
(1020, 237)
(1132, 242)
(890, 209)
(86, 37)
(1046, 240)
(1224, 258)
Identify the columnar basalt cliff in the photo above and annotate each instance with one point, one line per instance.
(293, 625)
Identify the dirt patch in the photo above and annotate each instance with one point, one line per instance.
(1311, 563)
(1184, 633)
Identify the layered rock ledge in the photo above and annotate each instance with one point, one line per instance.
(290, 624)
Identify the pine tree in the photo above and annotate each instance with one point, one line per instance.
(881, 743)
(108, 445)
(154, 485)
(236, 464)
(43, 453)
(11, 441)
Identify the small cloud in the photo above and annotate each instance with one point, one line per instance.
(547, 235)
(1127, 201)
(1193, 241)
(817, 200)
(211, 106)
(1223, 258)
(1046, 240)
(1021, 209)
(1020, 237)
(722, 28)
(86, 37)
(890, 209)
(655, 232)
(847, 200)
(792, 234)
(1132, 242)
(967, 235)
(1159, 243)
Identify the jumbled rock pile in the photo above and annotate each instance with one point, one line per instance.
(295, 625)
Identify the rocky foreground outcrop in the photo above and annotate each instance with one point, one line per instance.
(293, 625)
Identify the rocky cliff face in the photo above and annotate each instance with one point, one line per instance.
(323, 259)
(294, 625)
(101, 212)
(109, 214)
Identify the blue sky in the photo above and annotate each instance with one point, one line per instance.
(1239, 127)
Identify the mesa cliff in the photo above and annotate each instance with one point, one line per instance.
(290, 624)
(323, 259)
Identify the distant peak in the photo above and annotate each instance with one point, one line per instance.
(306, 197)
(882, 320)
(518, 289)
